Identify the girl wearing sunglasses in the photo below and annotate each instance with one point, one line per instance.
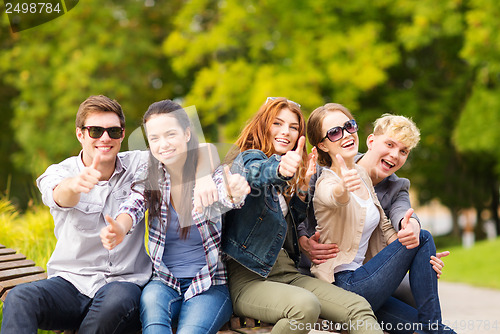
(260, 238)
(372, 262)
(188, 289)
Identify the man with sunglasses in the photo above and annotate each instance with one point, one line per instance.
(389, 145)
(88, 288)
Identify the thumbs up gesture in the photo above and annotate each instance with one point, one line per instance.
(409, 234)
(236, 185)
(290, 162)
(88, 177)
(350, 177)
(113, 234)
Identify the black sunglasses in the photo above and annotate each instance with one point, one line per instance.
(97, 131)
(337, 133)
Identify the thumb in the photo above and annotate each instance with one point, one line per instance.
(406, 218)
(95, 162)
(227, 183)
(442, 254)
(314, 152)
(315, 237)
(342, 165)
(226, 170)
(300, 145)
(111, 222)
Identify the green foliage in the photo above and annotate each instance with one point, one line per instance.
(239, 52)
(108, 48)
(475, 265)
(30, 233)
(435, 61)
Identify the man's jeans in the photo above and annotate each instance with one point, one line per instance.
(162, 308)
(55, 304)
(377, 280)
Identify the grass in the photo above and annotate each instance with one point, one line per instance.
(477, 266)
(31, 233)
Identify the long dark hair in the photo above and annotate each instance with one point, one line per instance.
(152, 193)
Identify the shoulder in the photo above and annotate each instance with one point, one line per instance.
(327, 176)
(395, 181)
(69, 164)
(133, 158)
(256, 157)
(253, 154)
(363, 174)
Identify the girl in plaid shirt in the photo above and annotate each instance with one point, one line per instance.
(188, 289)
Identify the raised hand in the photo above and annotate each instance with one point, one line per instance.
(437, 263)
(113, 234)
(312, 160)
(205, 193)
(236, 185)
(290, 161)
(350, 177)
(409, 234)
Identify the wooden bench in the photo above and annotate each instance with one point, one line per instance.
(16, 269)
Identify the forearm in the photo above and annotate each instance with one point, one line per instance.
(340, 193)
(125, 221)
(64, 195)
(208, 160)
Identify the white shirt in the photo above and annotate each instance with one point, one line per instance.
(371, 222)
(79, 256)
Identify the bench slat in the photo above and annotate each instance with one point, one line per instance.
(16, 264)
(6, 251)
(5, 286)
(12, 257)
(19, 272)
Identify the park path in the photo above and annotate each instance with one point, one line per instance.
(470, 310)
(467, 309)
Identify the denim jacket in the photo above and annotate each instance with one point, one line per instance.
(254, 234)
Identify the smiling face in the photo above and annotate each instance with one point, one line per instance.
(347, 147)
(105, 146)
(167, 140)
(384, 157)
(284, 131)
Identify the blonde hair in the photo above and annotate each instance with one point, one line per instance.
(400, 128)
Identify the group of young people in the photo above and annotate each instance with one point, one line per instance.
(241, 239)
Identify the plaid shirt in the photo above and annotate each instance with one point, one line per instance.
(209, 225)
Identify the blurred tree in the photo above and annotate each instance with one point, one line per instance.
(432, 84)
(109, 48)
(239, 52)
(391, 56)
(477, 126)
(14, 184)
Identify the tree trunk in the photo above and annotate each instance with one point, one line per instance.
(495, 198)
(456, 228)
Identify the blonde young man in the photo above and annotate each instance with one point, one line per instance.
(389, 146)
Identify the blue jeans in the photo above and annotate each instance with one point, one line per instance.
(55, 304)
(162, 308)
(377, 280)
